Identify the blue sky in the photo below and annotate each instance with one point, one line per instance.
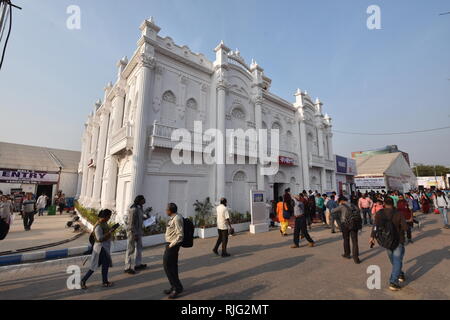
(388, 80)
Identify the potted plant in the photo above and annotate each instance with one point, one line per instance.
(204, 220)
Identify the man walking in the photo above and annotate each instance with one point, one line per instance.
(174, 239)
(223, 225)
(320, 207)
(300, 223)
(133, 256)
(365, 205)
(350, 226)
(41, 204)
(334, 217)
(389, 229)
(441, 203)
(28, 211)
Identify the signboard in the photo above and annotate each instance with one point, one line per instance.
(341, 164)
(285, 161)
(26, 176)
(370, 183)
(351, 167)
(258, 211)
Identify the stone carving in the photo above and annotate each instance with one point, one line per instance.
(147, 61)
(238, 113)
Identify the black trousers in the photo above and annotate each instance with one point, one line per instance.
(28, 219)
(301, 228)
(222, 239)
(409, 230)
(103, 260)
(353, 234)
(170, 262)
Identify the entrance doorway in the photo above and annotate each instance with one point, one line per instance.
(47, 190)
(277, 191)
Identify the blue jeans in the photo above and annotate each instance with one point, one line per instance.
(443, 212)
(396, 258)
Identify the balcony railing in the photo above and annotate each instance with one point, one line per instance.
(122, 139)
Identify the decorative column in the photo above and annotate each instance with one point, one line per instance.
(323, 178)
(330, 150)
(221, 65)
(257, 72)
(101, 150)
(146, 65)
(303, 138)
(90, 170)
(319, 126)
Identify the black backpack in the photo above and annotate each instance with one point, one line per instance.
(188, 233)
(386, 233)
(353, 220)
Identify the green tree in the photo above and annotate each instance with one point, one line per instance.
(423, 170)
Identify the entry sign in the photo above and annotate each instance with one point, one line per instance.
(258, 210)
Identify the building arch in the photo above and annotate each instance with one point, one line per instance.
(168, 108)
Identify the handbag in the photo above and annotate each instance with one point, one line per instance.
(231, 231)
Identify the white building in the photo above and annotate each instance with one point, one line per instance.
(127, 139)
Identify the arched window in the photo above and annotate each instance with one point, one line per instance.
(191, 113)
(240, 176)
(238, 114)
(168, 109)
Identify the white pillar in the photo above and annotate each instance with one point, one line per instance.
(90, 171)
(258, 126)
(140, 147)
(304, 155)
(320, 140)
(221, 65)
(221, 100)
(99, 166)
(118, 105)
(84, 163)
(323, 178)
(111, 183)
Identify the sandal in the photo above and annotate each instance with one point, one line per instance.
(108, 284)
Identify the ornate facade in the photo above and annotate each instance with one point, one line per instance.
(127, 139)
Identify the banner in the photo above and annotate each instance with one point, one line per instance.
(370, 183)
(26, 176)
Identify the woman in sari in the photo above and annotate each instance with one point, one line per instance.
(283, 222)
(425, 202)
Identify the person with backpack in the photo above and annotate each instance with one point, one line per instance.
(174, 241)
(389, 231)
(300, 228)
(351, 224)
(223, 227)
(101, 251)
(441, 203)
(135, 221)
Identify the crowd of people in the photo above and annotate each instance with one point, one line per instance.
(391, 215)
(27, 205)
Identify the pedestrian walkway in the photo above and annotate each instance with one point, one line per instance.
(262, 266)
(45, 230)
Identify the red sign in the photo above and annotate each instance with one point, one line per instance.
(285, 161)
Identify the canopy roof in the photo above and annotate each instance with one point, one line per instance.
(381, 164)
(18, 156)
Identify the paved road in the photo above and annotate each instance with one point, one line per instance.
(45, 230)
(263, 266)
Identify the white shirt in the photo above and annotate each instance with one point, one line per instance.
(440, 202)
(222, 216)
(41, 202)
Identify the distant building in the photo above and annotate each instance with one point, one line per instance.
(387, 149)
(345, 175)
(388, 171)
(431, 182)
(38, 169)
